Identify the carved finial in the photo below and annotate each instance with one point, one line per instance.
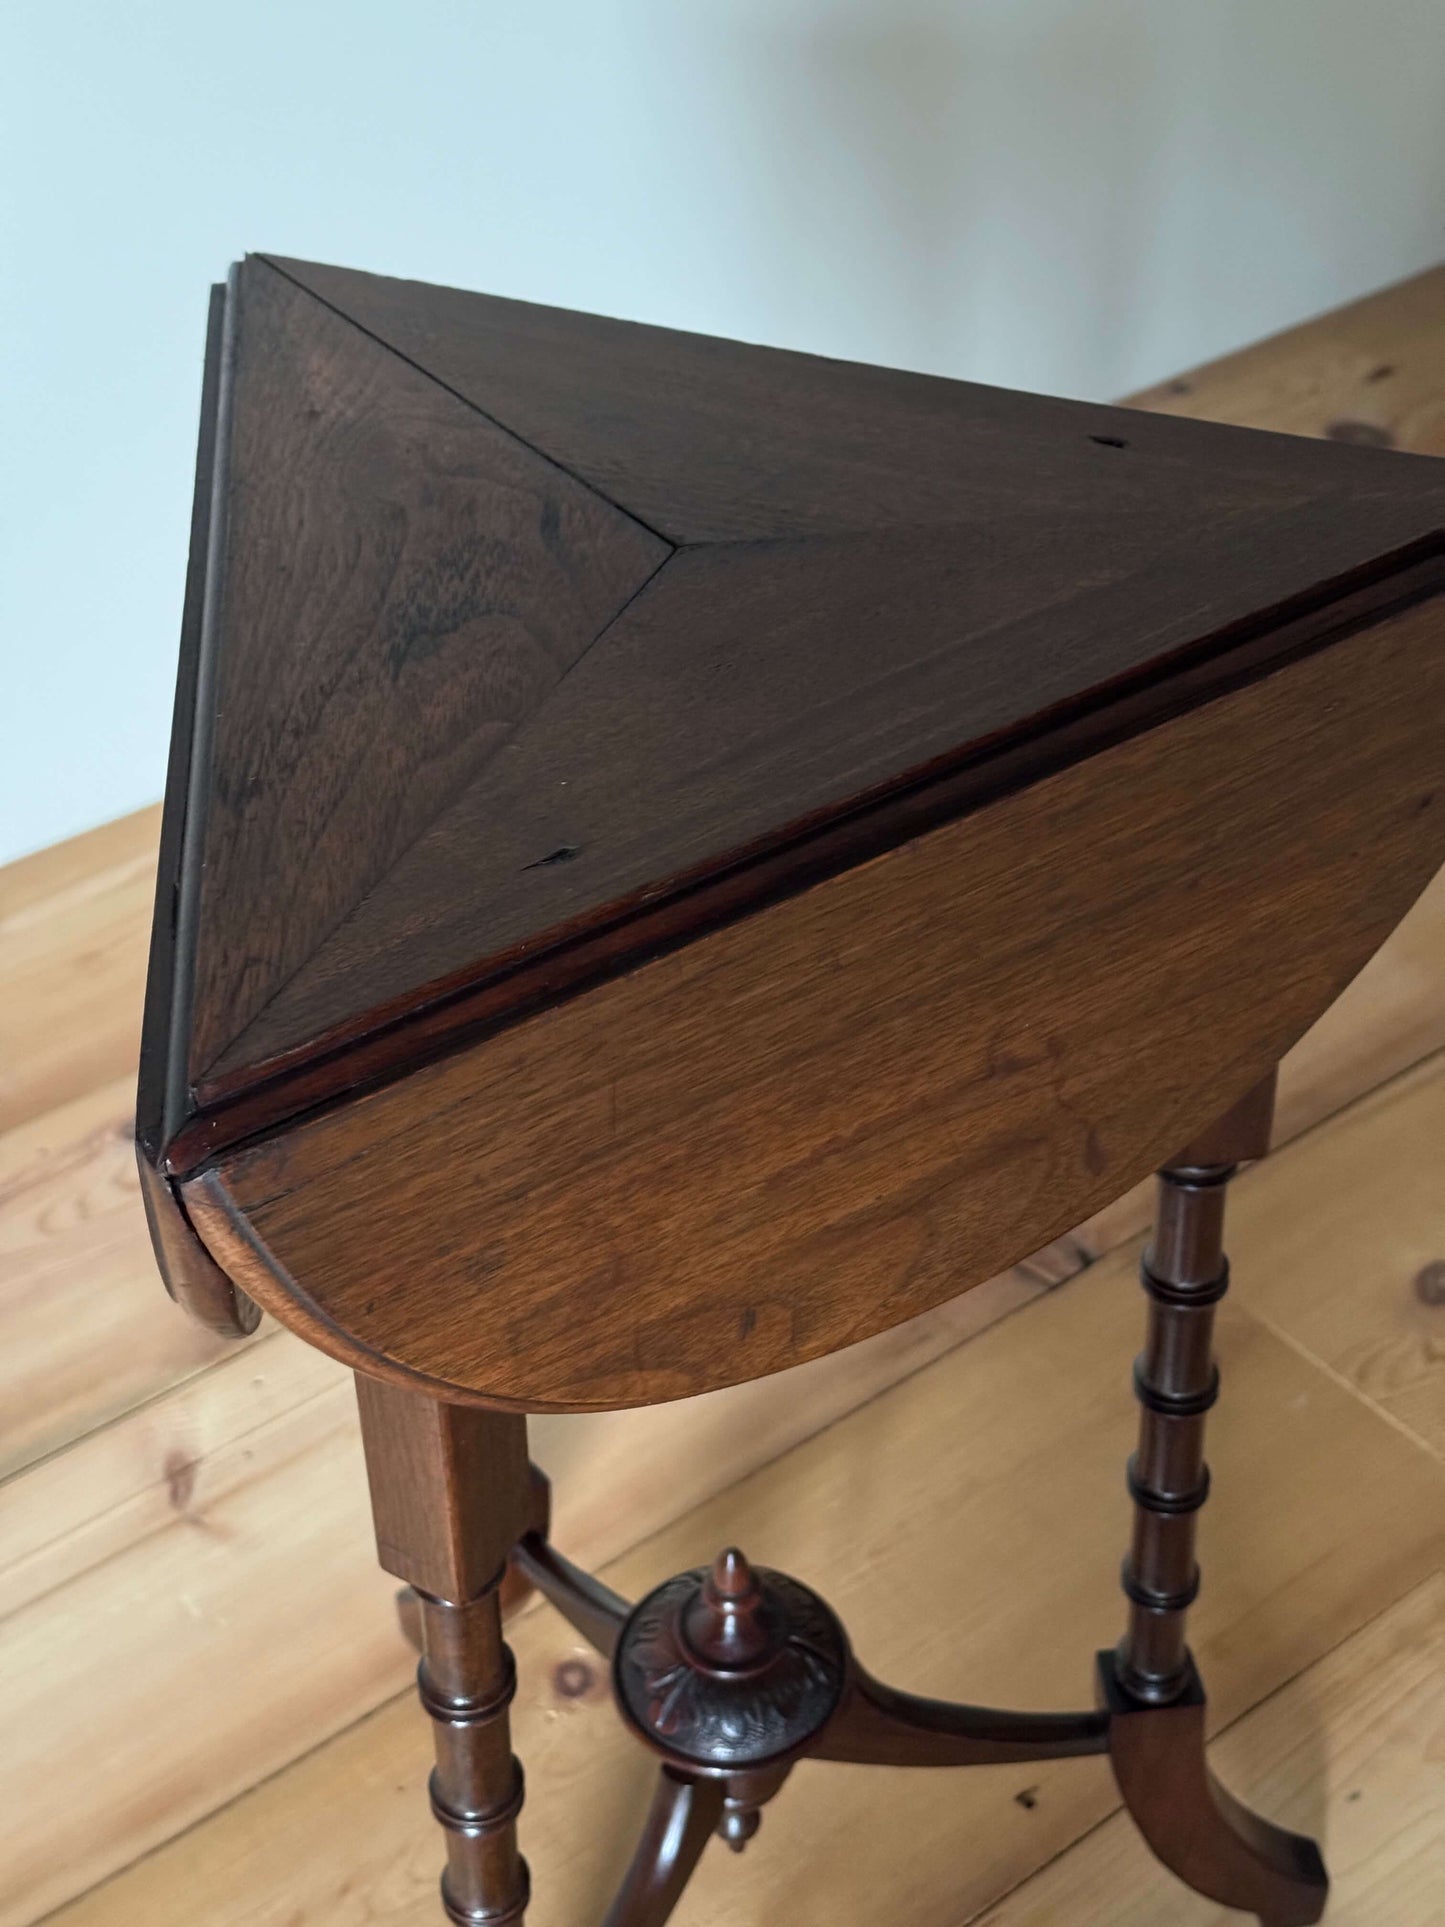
(732, 1577)
(730, 1624)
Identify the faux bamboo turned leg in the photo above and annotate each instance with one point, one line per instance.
(451, 1495)
(466, 1682)
(1176, 1381)
(1151, 1690)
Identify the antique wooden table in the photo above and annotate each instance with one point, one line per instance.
(679, 856)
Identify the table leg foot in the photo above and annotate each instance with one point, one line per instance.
(1198, 1830)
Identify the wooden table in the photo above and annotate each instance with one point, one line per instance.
(626, 795)
(165, 1487)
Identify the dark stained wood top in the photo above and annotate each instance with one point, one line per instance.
(521, 644)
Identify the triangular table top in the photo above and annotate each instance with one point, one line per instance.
(522, 644)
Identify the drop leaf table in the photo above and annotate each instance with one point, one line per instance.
(679, 856)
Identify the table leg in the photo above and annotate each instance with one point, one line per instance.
(451, 1495)
(1149, 1684)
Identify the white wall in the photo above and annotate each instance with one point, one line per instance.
(1075, 195)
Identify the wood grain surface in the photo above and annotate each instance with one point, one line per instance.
(469, 732)
(873, 1096)
(88, 1331)
(72, 1235)
(150, 1464)
(712, 441)
(74, 922)
(700, 779)
(403, 584)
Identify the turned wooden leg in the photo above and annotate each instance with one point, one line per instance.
(466, 1682)
(1149, 1685)
(451, 1494)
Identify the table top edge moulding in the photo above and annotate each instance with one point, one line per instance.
(627, 791)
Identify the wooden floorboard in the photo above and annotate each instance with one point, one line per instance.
(74, 931)
(85, 1334)
(1343, 1256)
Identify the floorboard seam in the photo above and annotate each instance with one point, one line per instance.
(1341, 1380)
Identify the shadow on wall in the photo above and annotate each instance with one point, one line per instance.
(953, 179)
(1082, 197)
